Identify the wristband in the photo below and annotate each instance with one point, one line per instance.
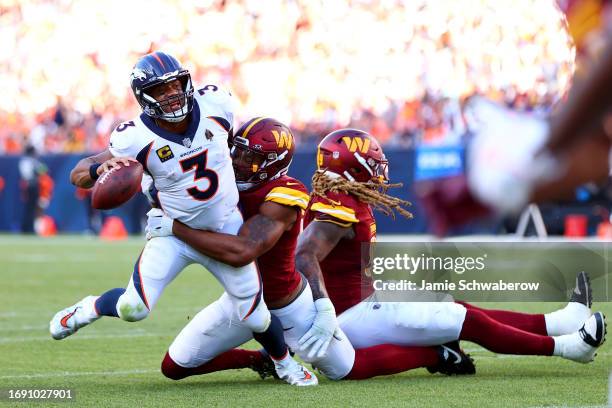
(93, 171)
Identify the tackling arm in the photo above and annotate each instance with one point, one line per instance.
(314, 244)
(256, 237)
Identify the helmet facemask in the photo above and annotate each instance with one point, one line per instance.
(377, 169)
(161, 109)
(250, 165)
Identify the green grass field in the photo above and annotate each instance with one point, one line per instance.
(114, 363)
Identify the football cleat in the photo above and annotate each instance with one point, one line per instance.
(294, 373)
(453, 361)
(582, 292)
(66, 322)
(265, 368)
(577, 311)
(582, 345)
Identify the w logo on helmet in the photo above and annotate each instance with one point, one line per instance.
(356, 143)
(283, 139)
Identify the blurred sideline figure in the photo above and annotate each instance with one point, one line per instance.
(30, 171)
(517, 158)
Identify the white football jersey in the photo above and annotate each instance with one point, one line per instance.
(192, 172)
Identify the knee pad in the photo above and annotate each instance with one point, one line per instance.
(131, 308)
(259, 319)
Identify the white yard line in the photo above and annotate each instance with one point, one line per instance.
(46, 258)
(29, 313)
(78, 374)
(7, 340)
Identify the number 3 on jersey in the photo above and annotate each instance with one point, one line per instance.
(199, 162)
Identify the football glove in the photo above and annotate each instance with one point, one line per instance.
(317, 338)
(158, 224)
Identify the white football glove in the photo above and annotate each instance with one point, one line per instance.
(317, 338)
(504, 160)
(158, 224)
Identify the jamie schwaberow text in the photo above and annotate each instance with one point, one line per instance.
(462, 285)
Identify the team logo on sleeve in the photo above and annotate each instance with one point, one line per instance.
(164, 153)
(209, 135)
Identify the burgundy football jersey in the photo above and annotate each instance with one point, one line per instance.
(277, 266)
(345, 280)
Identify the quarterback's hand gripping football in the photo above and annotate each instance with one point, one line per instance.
(113, 164)
(158, 224)
(317, 338)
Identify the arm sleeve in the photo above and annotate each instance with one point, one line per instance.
(288, 196)
(339, 212)
(121, 144)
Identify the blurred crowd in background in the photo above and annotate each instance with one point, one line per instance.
(399, 69)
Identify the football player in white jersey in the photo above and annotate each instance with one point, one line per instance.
(181, 141)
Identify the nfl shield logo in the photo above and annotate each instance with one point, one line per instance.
(187, 142)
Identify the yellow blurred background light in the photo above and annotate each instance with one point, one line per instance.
(299, 61)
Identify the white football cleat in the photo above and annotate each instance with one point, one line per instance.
(71, 319)
(294, 373)
(582, 345)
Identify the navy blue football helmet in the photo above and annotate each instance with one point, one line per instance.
(155, 69)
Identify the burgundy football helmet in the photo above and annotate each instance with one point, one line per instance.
(262, 149)
(353, 154)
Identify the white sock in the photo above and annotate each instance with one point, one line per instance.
(89, 309)
(566, 320)
(286, 359)
(560, 342)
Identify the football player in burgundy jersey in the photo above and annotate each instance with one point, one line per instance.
(352, 177)
(272, 204)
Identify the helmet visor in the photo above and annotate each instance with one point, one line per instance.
(246, 162)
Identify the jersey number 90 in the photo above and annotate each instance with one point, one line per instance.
(199, 162)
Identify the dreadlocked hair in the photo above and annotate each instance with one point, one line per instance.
(372, 192)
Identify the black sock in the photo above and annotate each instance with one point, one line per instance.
(273, 340)
(106, 304)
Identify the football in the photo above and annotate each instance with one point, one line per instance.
(116, 186)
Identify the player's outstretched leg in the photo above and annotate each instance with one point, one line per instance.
(69, 320)
(159, 263)
(563, 321)
(500, 338)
